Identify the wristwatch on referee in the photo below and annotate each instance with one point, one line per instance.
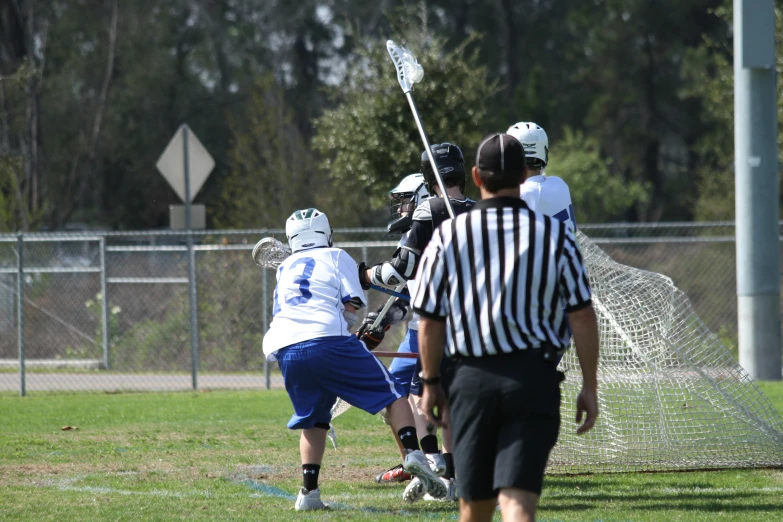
(430, 381)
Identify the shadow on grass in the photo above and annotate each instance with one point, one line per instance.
(429, 511)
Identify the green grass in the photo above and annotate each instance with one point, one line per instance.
(228, 456)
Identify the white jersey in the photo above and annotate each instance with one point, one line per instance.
(549, 195)
(312, 289)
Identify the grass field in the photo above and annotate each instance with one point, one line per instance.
(228, 456)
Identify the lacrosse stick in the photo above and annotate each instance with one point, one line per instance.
(340, 406)
(409, 71)
(270, 253)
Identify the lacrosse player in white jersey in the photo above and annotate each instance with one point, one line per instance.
(546, 194)
(315, 302)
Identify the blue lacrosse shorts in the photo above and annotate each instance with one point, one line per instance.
(402, 369)
(318, 371)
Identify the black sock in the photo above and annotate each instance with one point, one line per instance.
(408, 438)
(449, 458)
(310, 475)
(429, 444)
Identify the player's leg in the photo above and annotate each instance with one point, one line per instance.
(447, 370)
(402, 370)
(518, 505)
(349, 370)
(429, 444)
(530, 408)
(311, 415)
(476, 510)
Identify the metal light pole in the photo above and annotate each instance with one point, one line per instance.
(756, 182)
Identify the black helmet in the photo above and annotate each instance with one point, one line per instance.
(450, 162)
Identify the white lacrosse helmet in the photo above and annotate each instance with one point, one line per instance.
(308, 228)
(411, 190)
(533, 138)
(412, 186)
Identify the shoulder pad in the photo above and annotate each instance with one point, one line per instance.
(423, 212)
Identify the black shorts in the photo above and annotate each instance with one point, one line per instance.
(447, 367)
(505, 419)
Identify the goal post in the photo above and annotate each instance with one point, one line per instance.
(671, 396)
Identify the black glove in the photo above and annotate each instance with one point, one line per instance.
(397, 312)
(372, 337)
(362, 276)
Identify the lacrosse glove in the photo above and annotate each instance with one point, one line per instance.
(372, 337)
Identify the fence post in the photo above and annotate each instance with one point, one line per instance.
(265, 318)
(20, 309)
(105, 307)
(194, 356)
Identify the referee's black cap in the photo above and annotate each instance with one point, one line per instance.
(501, 153)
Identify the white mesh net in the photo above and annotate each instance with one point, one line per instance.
(671, 396)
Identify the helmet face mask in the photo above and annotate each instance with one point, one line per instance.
(308, 228)
(403, 200)
(451, 166)
(535, 142)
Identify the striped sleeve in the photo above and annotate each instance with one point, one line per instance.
(431, 298)
(574, 284)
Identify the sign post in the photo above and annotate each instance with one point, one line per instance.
(186, 164)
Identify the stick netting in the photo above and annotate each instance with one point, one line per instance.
(671, 396)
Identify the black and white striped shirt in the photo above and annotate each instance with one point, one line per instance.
(504, 277)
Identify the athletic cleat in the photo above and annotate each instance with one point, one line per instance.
(452, 495)
(437, 463)
(309, 500)
(395, 474)
(417, 464)
(414, 491)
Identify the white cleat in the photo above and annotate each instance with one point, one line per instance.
(416, 464)
(309, 500)
(437, 463)
(414, 491)
(452, 495)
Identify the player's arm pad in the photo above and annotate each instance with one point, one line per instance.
(356, 302)
(401, 268)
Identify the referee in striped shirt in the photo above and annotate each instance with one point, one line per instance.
(495, 286)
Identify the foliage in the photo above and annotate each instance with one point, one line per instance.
(370, 141)
(92, 92)
(271, 169)
(598, 194)
(710, 75)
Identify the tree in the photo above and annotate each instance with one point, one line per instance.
(710, 74)
(598, 194)
(370, 142)
(270, 167)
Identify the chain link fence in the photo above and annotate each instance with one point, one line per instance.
(111, 311)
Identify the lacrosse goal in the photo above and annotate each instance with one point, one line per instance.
(671, 396)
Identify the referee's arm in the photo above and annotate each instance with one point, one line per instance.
(584, 327)
(432, 305)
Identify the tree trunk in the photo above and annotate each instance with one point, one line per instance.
(510, 44)
(102, 98)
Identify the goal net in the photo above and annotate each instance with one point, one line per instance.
(671, 396)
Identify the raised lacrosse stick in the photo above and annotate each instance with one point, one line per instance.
(409, 71)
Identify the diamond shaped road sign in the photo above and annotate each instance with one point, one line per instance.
(171, 163)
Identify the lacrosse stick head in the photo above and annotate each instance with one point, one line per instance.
(409, 71)
(270, 253)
